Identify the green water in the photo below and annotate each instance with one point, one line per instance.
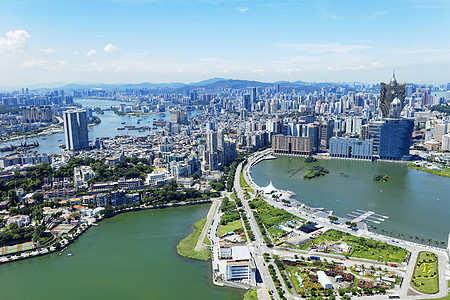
(417, 203)
(130, 256)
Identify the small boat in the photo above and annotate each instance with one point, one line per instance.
(123, 123)
(59, 140)
(69, 254)
(44, 139)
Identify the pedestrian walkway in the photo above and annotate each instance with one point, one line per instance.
(212, 211)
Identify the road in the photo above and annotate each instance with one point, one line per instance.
(414, 248)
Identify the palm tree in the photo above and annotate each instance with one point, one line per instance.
(417, 238)
(429, 241)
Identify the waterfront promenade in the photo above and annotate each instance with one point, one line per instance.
(318, 217)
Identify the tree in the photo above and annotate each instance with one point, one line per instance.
(195, 176)
(13, 226)
(38, 197)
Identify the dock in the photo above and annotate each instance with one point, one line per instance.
(360, 215)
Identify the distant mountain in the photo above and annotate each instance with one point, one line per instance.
(206, 82)
(209, 84)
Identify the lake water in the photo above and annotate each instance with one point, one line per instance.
(129, 256)
(107, 128)
(417, 203)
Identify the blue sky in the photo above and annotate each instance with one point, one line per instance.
(120, 41)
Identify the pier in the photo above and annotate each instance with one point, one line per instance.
(361, 215)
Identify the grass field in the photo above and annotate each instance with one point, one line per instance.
(232, 226)
(206, 241)
(186, 246)
(445, 172)
(425, 278)
(362, 247)
(446, 297)
(244, 184)
(251, 295)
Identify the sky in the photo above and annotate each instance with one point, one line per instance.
(133, 41)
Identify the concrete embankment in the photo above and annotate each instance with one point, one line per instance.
(82, 228)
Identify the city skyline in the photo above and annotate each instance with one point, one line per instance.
(137, 41)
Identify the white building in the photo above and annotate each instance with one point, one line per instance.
(158, 178)
(241, 266)
(324, 280)
(20, 220)
(445, 142)
(82, 174)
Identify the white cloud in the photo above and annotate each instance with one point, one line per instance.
(111, 49)
(325, 48)
(15, 42)
(76, 52)
(48, 50)
(61, 64)
(371, 66)
(90, 52)
(33, 64)
(242, 9)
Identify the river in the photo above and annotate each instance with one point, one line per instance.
(129, 256)
(107, 128)
(417, 203)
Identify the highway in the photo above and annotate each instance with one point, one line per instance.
(258, 247)
(414, 248)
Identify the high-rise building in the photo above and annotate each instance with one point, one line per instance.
(75, 129)
(252, 92)
(388, 93)
(294, 145)
(212, 141)
(246, 102)
(351, 148)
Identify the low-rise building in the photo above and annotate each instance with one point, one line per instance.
(20, 220)
(324, 280)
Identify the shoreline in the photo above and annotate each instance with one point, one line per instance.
(442, 173)
(314, 212)
(46, 132)
(84, 227)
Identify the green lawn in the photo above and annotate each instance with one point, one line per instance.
(425, 278)
(446, 297)
(244, 184)
(362, 247)
(232, 226)
(186, 246)
(233, 196)
(206, 241)
(271, 215)
(251, 295)
(445, 172)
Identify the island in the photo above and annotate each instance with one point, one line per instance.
(316, 171)
(381, 177)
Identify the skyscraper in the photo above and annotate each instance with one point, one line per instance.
(252, 92)
(392, 135)
(388, 93)
(212, 141)
(75, 129)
